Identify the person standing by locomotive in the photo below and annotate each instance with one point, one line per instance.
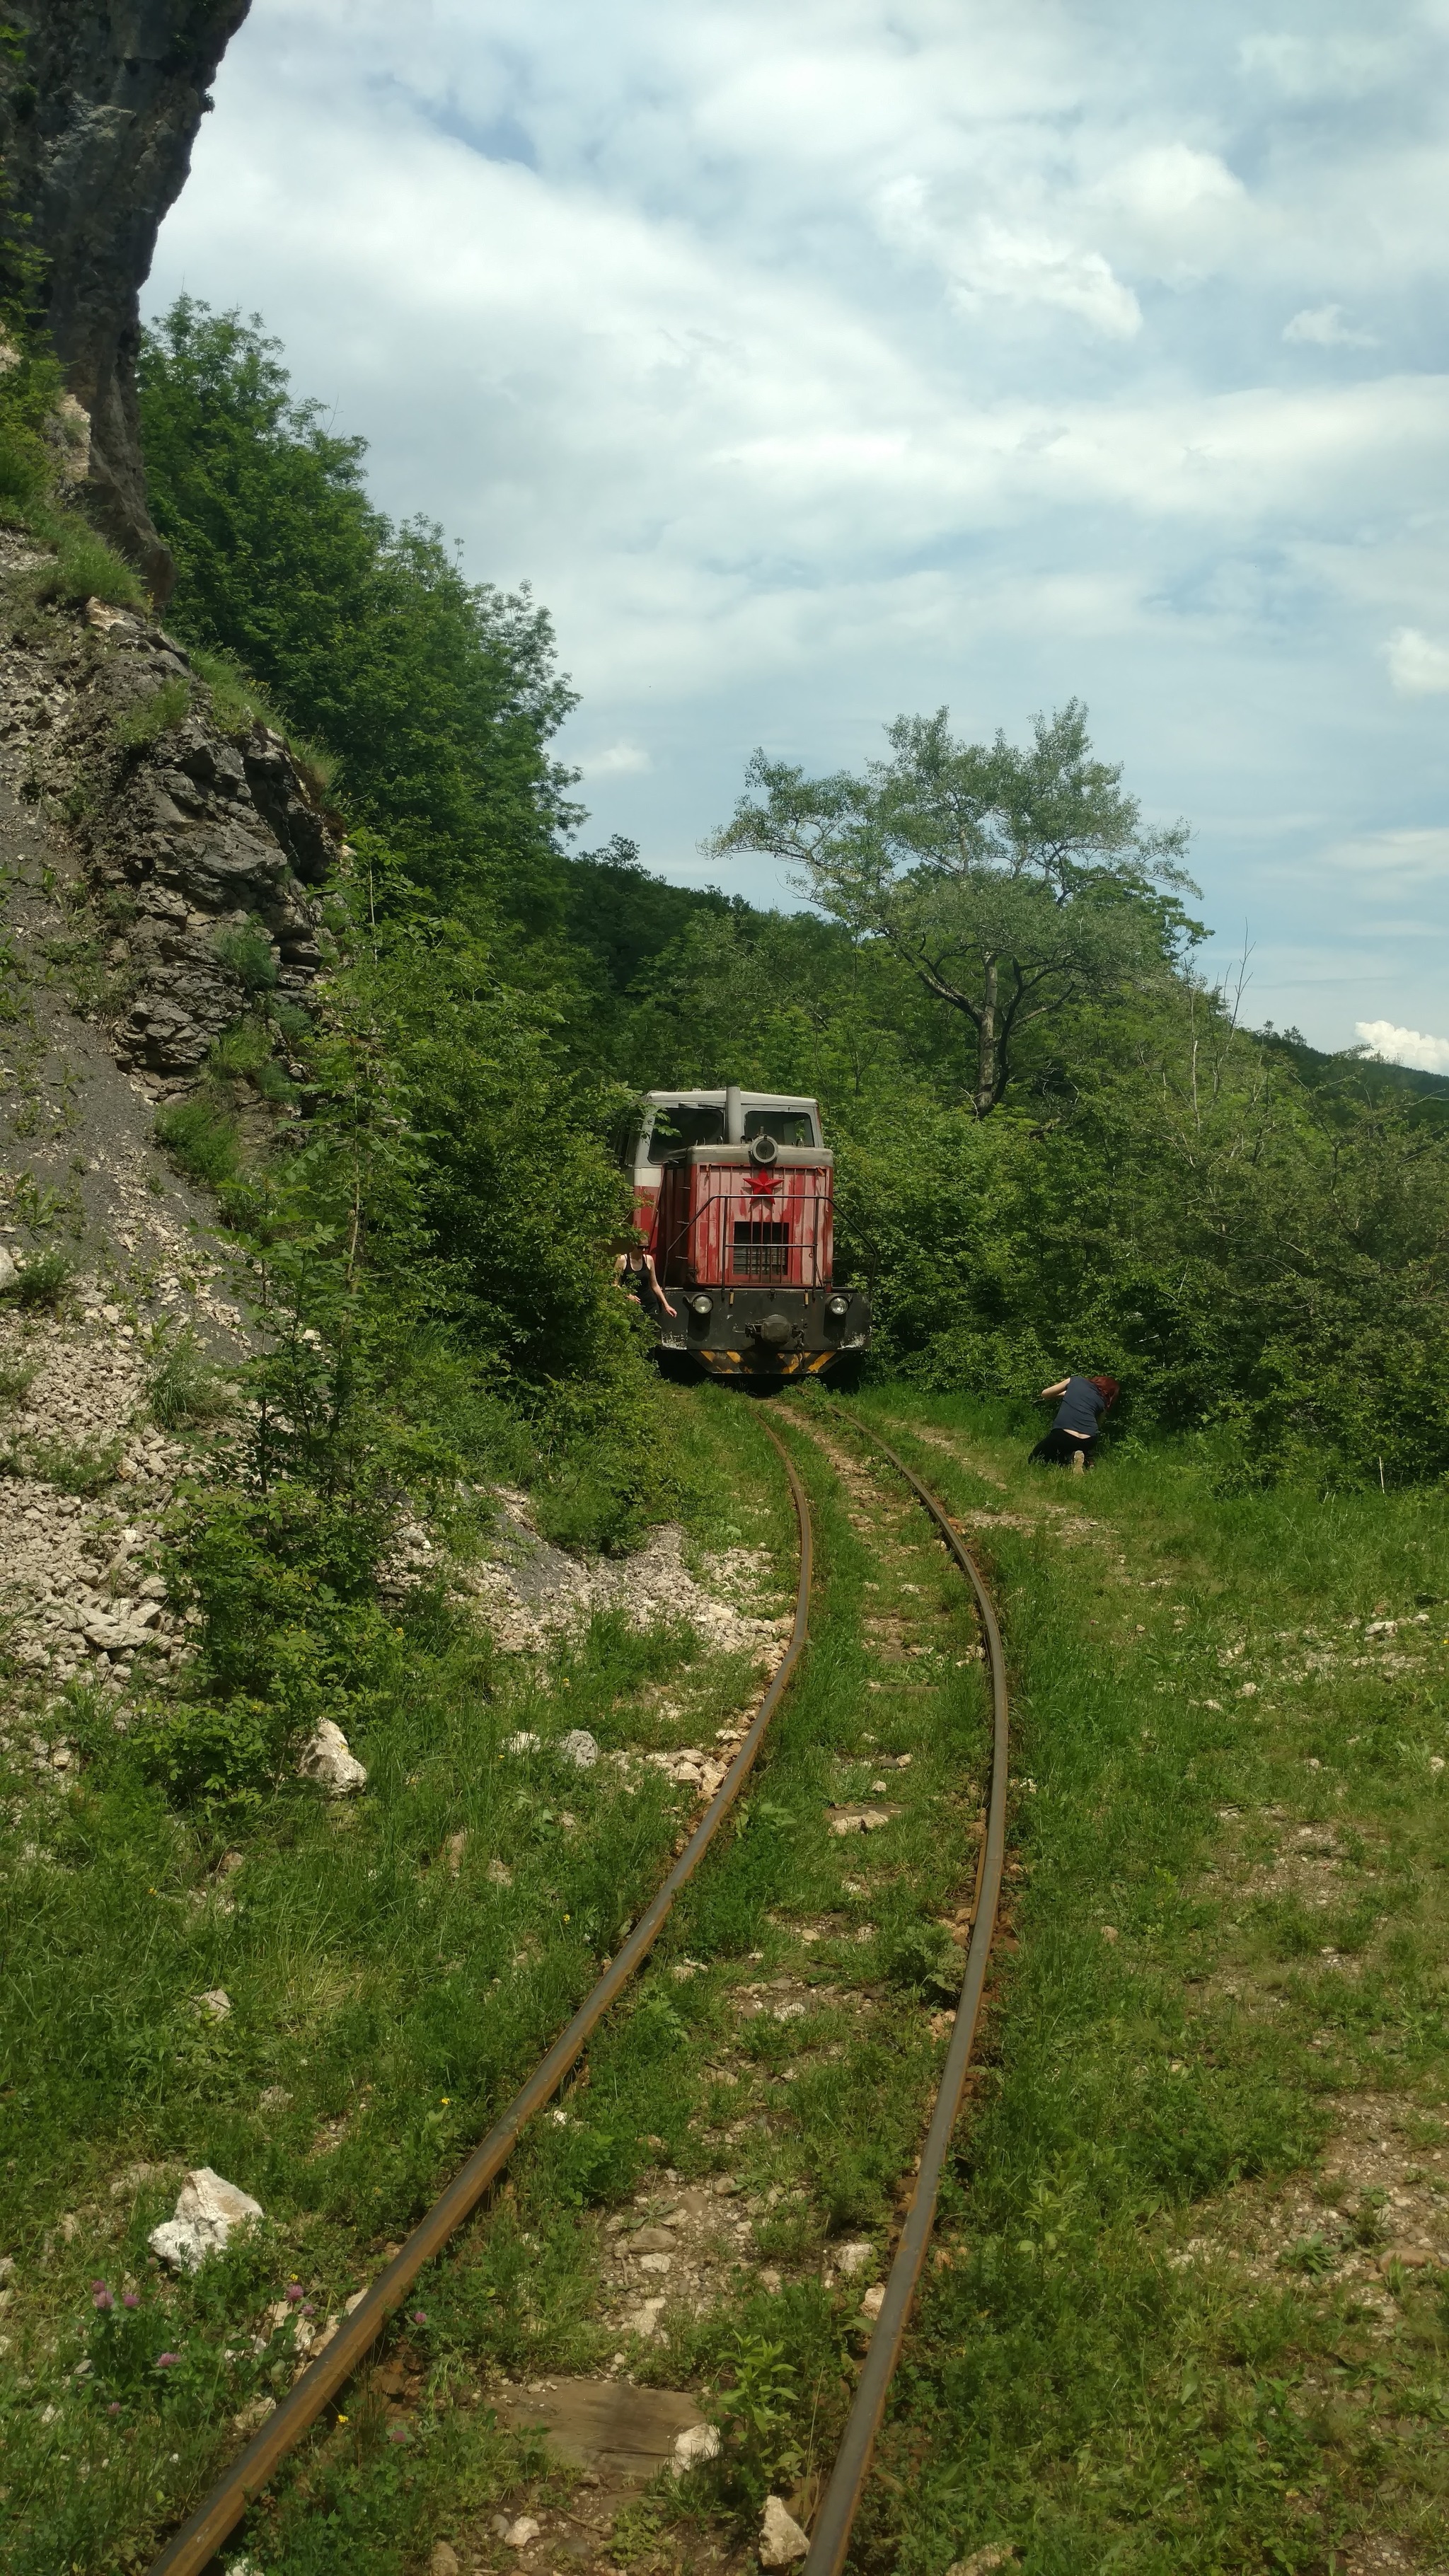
(1071, 1441)
(635, 1272)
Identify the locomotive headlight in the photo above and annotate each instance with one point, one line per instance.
(701, 1306)
(838, 1307)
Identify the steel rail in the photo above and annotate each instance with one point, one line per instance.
(840, 2503)
(186, 2554)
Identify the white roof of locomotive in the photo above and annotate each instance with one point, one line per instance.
(716, 1100)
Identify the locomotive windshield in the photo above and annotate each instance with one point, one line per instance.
(676, 1129)
(787, 1126)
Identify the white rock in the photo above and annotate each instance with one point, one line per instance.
(580, 1748)
(215, 2003)
(207, 2209)
(644, 2320)
(525, 1742)
(853, 2258)
(697, 2442)
(329, 1761)
(781, 2538)
(8, 1272)
(981, 2562)
(498, 1874)
(520, 2533)
(444, 2560)
(873, 2302)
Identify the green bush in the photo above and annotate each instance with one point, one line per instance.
(201, 1139)
(213, 1759)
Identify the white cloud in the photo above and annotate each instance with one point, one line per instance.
(1405, 1046)
(821, 362)
(1322, 67)
(620, 760)
(1324, 326)
(1418, 667)
(1021, 266)
(1394, 859)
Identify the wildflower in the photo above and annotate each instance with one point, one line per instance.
(310, 2308)
(341, 2419)
(167, 2360)
(294, 2292)
(114, 2407)
(397, 2432)
(130, 2298)
(102, 2299)
(420, 2316)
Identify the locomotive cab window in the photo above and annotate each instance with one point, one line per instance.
(786, 1126)
(675, 1130)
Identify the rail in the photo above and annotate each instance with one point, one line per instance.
(840, 2503)
(187, 2553)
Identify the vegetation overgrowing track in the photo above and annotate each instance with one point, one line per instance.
(217, 2516)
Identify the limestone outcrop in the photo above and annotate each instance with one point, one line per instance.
(193, 836)
(99, 108)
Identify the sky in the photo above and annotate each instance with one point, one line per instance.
(818, 361)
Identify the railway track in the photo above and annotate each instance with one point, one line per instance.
(192, 2548)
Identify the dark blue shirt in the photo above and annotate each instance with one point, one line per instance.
(1081, 1408)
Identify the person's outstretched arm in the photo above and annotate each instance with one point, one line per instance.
(1060, 1388)
(654, 1282)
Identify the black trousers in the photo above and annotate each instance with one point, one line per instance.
(1059, 1449)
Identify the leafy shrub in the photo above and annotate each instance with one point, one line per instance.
(212, 1758)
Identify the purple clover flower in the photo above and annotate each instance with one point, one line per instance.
(310, 2309)
(102, 2299)
(130, 2298)
(294, 2292)
(397, 2432)
(166, 2360)
(420, 2316)
(114, 2407)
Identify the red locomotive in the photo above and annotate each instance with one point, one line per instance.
(733, 1196)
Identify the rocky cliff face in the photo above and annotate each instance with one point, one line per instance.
(99, 107)
(185, 835)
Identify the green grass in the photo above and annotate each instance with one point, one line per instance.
(384, 2002)
(1141, 2347)
(1074, 2391)
(165, 707)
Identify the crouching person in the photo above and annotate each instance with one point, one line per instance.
(636, 1275)
(1072, 1438)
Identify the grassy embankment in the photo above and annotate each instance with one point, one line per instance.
(1184, 2320)
(388, 1985)
(1169, 2330)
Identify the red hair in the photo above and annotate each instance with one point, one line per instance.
(1108, 1388)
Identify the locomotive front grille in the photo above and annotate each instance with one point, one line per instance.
(761, 1249)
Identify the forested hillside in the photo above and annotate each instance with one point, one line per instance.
(1118, 1173)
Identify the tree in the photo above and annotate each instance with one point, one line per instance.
(1011, 883)
(436, 696)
